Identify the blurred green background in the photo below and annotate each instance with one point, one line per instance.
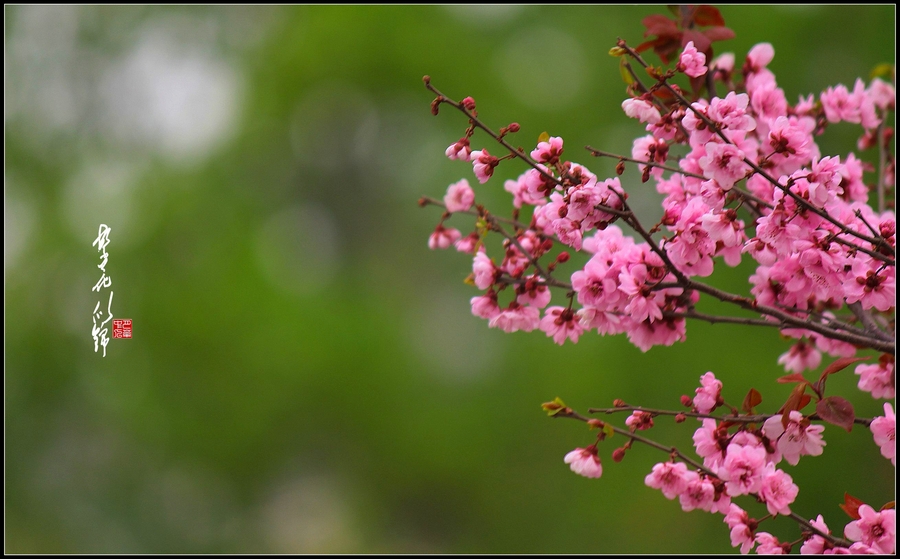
(305, 375)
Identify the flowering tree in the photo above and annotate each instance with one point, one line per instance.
(742, 177)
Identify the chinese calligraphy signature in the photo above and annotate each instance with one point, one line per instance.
(100, 332)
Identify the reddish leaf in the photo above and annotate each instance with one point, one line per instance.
(851, 506)
(751, 400)
(793, 402)
(889, 505)
(841, 364)
(718, 33)
(708, 15)
(793, 377)
(837, 411)
(660, 25)
(805, 399)
(701, 42)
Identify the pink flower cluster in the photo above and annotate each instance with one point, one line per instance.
(745, 463)
(750, 186)
(802, 237)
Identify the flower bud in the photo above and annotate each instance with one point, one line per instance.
(563, 257)
(686, 401)
(618, 454)
(680, 418)
(469, 103)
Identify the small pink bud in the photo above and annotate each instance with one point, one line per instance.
(680, 418)
(618, 454)
(469, 103)
(514, 127)
(563, 257)
(686, 401)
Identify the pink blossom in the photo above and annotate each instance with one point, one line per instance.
(760, 56)
(516, 317)
(709, 444)
(468, 243)
(884, 429)
(548, 152)
(868, 118)
(700, 493)
(534, 293)
(790, 139)
(816, 545)
(724, 63)
(857, 548)
(742, 469)
(668, 477)
(568, 232)
(460, 150)
(878, 379)
(769, 545)
(723, 163)
(641, 110)
(873, 285)
(585, 462)
(755, 66)
(840, 105)
(731, 113)
(875, 529)
(602, 321)
(560, 323)
(519, 190)
(738, 521)
(443, 237)
(582, 200)
(800, 357)
(647, 334)
(642, 303)
(796, 440)
(692, 62)
(639, 421)
(724, 227)
(459, 197)
(854, 189)
(805, 105)
(651, 149)
(483, 163)
(768, 103)
(778, 490)
(709, 395)
(485, 306)
(882, 94)
(484, 270)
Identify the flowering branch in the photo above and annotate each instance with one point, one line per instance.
(817, 243)
(877, 241)
(675, 453)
